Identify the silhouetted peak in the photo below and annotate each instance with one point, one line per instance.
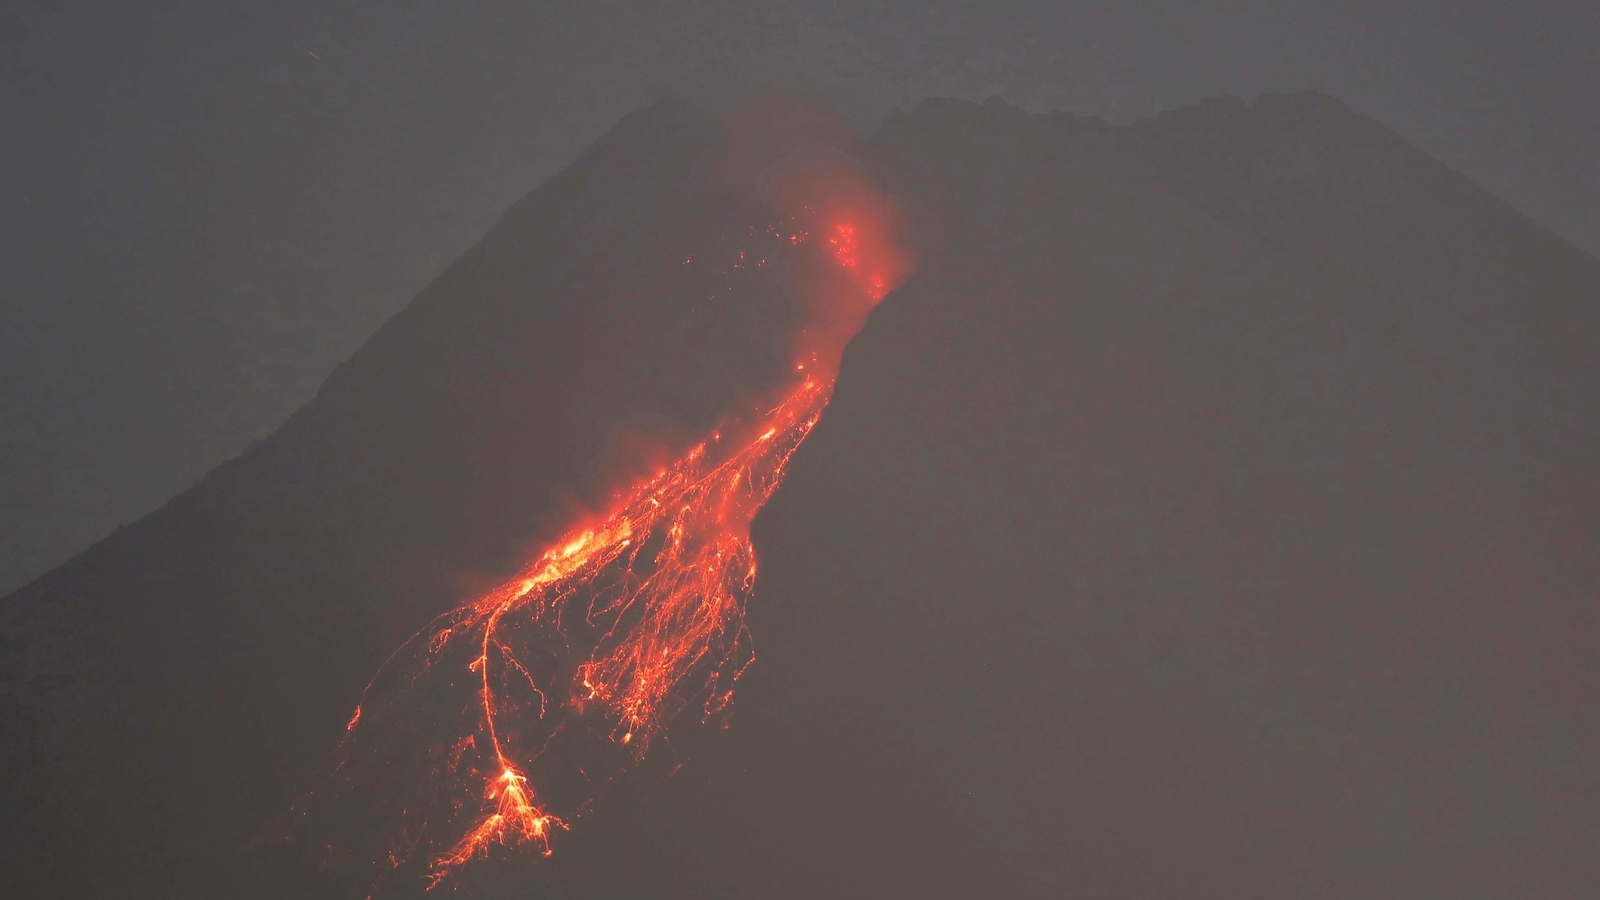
(1268, 113)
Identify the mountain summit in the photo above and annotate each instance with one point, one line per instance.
(1215, 512)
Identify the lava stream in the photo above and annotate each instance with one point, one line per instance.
(663, 581)
(575, 665)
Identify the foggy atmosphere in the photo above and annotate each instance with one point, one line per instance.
(765, 450)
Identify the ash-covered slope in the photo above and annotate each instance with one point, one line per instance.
(1214, 514)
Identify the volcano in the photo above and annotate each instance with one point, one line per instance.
(1215, 511)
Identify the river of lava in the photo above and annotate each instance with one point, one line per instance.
(600, 640)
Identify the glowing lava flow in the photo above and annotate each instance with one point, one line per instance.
(575, 665)
(662, 581)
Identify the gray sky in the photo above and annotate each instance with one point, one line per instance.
(207, 205)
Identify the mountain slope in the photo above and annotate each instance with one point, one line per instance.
(1215, 513)
(1243, 545)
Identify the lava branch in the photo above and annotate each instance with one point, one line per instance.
(661, 585)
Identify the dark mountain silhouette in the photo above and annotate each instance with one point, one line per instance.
(1216, 513)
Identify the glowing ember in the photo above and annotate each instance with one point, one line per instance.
(617, 627)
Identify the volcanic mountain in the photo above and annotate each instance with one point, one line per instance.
(1215, 512)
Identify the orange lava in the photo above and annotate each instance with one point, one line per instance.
(515, 821)
(624, 622)
(664, 578)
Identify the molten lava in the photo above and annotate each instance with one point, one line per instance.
(576, 664)
(661, 582)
